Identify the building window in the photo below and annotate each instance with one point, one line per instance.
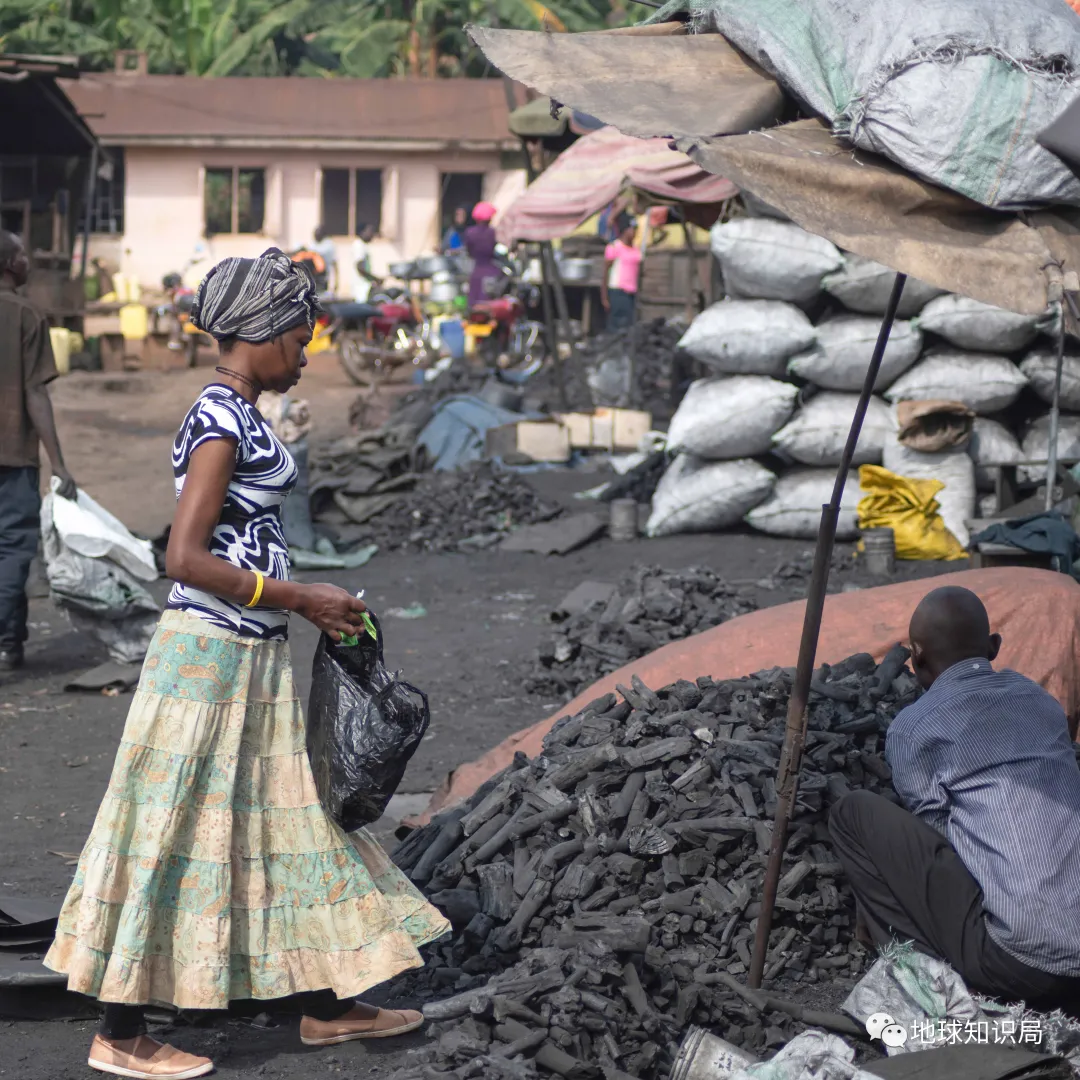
(351, 199)
(368, 199)
(107, 211)
(234, 200)
(459, 189)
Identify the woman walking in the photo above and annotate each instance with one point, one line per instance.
(212, 872)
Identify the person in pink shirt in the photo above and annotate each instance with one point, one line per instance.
(622, 268)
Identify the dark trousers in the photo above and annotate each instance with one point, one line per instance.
(20, 527)
(121, 1022)
(621, 312)
(910, 884)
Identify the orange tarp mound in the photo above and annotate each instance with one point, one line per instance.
(1037, 612)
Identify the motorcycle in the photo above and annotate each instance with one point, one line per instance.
(506, 338)
(375, 340)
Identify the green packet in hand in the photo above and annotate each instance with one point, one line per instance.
(353, 639)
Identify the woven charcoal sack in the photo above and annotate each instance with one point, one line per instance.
(844, 347)
(865, 286)
(772, 260)
(1040, 367)
(699, 496)
(954, 468)
(818, 432)
(983, 382)
(970, 324)
(954, 90)
(794, 507)
(748, 337)
(1036, 445)
(992, 443)
(723, 418)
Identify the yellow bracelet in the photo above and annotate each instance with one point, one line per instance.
(257, 596)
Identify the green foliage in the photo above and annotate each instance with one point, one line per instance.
(327, 38)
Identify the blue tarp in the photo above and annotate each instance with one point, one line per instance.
(454, 436)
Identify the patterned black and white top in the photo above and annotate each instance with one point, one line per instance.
(249, 533)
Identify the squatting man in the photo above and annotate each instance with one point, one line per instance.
(982, 868)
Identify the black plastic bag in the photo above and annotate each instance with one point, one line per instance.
(363, 725)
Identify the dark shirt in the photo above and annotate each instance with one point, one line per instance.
(985, 758)
(480, 244)
(26, 362)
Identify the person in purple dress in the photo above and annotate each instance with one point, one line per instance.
(480, 246)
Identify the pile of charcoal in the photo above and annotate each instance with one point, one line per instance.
(470, 508)
(639, 366)
(613, 625)
(604, 896)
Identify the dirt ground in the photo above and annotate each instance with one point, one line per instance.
(485, 614)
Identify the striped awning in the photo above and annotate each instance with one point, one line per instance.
(589, 174)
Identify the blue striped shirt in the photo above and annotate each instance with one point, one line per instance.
(985, 758)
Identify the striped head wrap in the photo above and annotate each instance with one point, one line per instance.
(255, 299)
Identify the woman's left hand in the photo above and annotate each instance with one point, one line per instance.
(334, 611)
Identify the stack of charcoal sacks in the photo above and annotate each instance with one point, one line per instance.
(787, 351)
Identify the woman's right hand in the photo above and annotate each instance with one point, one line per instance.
(334, 611)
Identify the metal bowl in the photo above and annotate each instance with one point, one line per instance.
(430, 265)
(444, 292)
(403, 270)
(575, 270)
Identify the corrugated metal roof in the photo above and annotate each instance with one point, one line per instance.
(149, 108)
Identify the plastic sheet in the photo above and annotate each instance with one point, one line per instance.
(364, 723)
(1037, 612)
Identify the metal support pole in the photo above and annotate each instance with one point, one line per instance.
(1055, 414)
(787, 779)
(91, 191)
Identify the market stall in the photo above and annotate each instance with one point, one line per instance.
(585, 179)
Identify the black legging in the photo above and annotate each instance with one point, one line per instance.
(121, 1022)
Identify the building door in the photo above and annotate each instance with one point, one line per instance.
(458, 189)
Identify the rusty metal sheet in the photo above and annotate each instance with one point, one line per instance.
(643, 84)
(867, 205)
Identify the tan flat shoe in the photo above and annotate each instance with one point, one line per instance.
(387, 1023)
(145, 1059)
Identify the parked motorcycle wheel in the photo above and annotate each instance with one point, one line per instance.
(361, 362)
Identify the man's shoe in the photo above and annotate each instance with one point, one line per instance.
(386, 1023)
(145, 1059)
(11, 659)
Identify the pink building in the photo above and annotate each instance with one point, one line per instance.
(250, 162)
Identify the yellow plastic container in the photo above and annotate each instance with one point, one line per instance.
(61, 347)
(134, 322)
(127, 287)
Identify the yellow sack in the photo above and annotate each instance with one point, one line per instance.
(910, 509)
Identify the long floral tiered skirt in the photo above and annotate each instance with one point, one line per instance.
(212, 872)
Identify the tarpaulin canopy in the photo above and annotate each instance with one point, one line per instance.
(588, 175)
(701, 90)
(645, 84)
